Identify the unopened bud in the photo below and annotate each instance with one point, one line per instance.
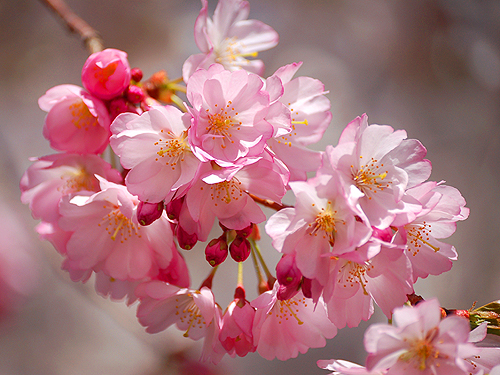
(287, 272)
(245, 232)
(147, 212)
(216, 251)
(136, 74)
(117, 106)
(135, 94)
(306, 287)
(173, 208)
(286, 292)
(186, 241)
(239, 249)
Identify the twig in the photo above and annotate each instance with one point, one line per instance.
(75, 24)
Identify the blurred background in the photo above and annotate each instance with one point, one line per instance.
(431, 67)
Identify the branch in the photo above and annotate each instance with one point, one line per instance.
(268, 203)
(75, 24)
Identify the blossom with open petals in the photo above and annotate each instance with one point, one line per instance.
(229, 38)
(229, 110)
(155, 149)
(76, 122)
(283, 328)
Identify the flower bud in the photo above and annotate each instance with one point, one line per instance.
(307, 287)
(136, 74)
(186, 241)
(174, 208)
(135, 94)
(239, 249)
(287, 272)
(147, 212)
(246, 231)
(286, 292)
(106, 74)
(216, 251)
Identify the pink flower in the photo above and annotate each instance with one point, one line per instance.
(377, 271)
(310, 114)
(76, 121)
(155, 149)
(229, 39)
(321, 224)
(106, 74)
(224, 192)
(420, 342)
(229, 110)
(162, 305)
(107, 237)
(51, 177)
(282, 329)
(442, 207)
(236, 331)
(381, 164)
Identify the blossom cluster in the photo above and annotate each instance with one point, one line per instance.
(362, 230)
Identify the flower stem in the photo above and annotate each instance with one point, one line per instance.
(75, 24)
(208, 281)
(240, 274)
(270, 278)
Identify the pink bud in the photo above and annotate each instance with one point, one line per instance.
(106, 74)
(287, 272)
(186, 241)
(286, 292)
(239, 249)
(117, 106)
(135, 94)
(216, 251)
(174, 208)
(136, 74)
(147, 212)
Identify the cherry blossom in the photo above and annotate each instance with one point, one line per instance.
(76, 122)
(155, 149)
(381, 164)
(51, 177)
(106, 73)
(229, 110)
(283, 328)
(420, 342)
(107, 236)
(229, 38)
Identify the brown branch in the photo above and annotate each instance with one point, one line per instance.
(75, 24)
(268, 203)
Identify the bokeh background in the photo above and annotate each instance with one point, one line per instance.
(431, 67)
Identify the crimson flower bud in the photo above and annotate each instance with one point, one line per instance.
(216, 251)
(285, 292)
(186, 241)
(245, 232)
(239, 249)
(117, 106)
(174, 208)
(307, 287)
(147, 212)
(135, 94)
(287, 272)
(136, 74)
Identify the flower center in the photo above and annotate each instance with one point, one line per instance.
(418, 235)
(229, 52)
(78, 180)
(226, 191)
(82, 118)
(289, 309)
(352, 273)
(173, 149)
(325, 221)
(369, 178)
(422, 353)
(220, 122)
(189, 314)
(118, 225)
